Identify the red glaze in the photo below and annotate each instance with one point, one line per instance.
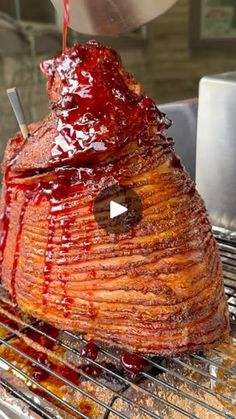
(40, 374)
(4, 219)
(102, 130)
(86, 408)
(17, 248)
(69, 374)
(48, 255)
(65, 24)
(65, 245)
(90, 350)
(50, 331)
(132, 363)
(41, 339)
(98, 106)
(55, 192)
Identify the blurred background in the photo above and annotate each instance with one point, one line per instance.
(168, 56)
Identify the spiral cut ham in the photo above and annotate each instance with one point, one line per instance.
(156, 289)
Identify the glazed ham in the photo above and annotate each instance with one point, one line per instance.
(156, 289)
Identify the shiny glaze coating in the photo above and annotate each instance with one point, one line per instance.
(157, 289)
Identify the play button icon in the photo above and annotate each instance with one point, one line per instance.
(117, 209)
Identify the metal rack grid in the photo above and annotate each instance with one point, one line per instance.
(198, 386)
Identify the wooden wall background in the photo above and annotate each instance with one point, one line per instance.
(168, 67)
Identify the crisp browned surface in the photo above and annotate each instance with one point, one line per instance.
(157, 289)
(160, 291)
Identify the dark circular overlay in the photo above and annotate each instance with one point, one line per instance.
(121, 195)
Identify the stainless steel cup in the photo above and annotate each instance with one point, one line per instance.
(216, 148)
(111, 17)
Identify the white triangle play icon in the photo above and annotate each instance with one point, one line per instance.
(116, 209)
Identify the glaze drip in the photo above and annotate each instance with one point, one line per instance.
(17, 247)
(132, 363)
(66, 225)
(4, 219)
(49, 256)
(99, 107)
(158, 290)
(66, 22)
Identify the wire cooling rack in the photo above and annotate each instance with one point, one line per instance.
(49, 364)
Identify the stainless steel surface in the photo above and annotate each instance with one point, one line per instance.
(12, 408)
(112, 17)
(184, 130)
(198, 386)
(16, 400)
(216, 148)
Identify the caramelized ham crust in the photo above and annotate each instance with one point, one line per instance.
(156, 289)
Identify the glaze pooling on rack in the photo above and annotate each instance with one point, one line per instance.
(132, 363)
(90, 350)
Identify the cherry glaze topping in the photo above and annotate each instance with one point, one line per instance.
(90, 350)
(98, 106)
(132, 363)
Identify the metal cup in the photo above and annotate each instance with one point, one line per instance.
(111, 17)
(216, 148)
